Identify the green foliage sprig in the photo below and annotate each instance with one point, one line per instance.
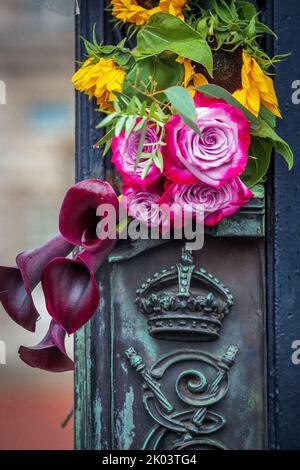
(121, 54)
(231, 24)
(134, 115)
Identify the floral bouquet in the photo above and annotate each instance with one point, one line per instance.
(191, 109)
(189, 115)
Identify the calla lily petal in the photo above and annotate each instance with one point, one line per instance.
(70, 287)
(78, 215)
(17, 283)
(93, 261)
(50, 354)
(16, 300)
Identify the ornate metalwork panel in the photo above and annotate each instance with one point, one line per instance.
(191, 424)
(183, 303)
(174, 383)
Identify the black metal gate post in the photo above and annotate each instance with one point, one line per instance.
(283, 241)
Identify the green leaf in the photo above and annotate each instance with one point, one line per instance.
(267, 116)
(161, 69)
(191, 124)
(184, 105)
(120, 125)
(119, 53)
(259, 161)
(133, 105)
(258, 191)
(216, 91)
(124, 60)
(250, 30)
(122, 98)
(141, 143)
(108, 136)
(107, 120)
(139, 125)
(159, 161)
(246, 10)
(152, 110)
(130, 123)
(203, 27)
(223, 10)
(106, 148)
(266, 132)
(285, 151)
(263, 28)
(146, 169)
(117, 106)
(182, 101)
(143, 108)
(165, 32)
(94, 35)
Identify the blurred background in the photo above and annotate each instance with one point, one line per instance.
(36, 167)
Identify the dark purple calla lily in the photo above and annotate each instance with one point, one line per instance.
(50, 354)
(70, 287)
(17, 283)
(78, 219)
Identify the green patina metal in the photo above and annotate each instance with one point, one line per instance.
(249, 221)
(183, 303)
(125, 420)
(171, 290)
(195, 391)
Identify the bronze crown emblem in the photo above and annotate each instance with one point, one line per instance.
(183, 302)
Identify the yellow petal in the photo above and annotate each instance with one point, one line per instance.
(253, 100)
(241, 96)
(130, 11)
(199, 79)
(188, 70)
(259, 86)
(100, 80)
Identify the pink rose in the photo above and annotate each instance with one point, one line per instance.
(143, 205)
(124, 157)
(221, 153)
(200, 199)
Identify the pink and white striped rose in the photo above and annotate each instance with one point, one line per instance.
(143, 204)
(216, 157)
(124, 157)
(204, 203)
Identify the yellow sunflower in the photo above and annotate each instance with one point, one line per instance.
(257, 88)
(99, 79)
(139, 11)
(191, 77)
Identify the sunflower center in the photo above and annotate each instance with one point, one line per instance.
(226, 69)
(148, 4)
